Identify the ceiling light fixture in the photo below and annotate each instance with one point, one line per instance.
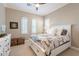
(37, 5)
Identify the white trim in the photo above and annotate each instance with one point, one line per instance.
(75, 48)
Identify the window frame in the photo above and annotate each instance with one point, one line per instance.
(23, 24)
(34, 23)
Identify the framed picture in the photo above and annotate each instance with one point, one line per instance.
(13, 25)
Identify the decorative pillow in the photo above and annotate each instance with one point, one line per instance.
(34, 37)
(64, 32)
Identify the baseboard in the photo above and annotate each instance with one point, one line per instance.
(75, 48)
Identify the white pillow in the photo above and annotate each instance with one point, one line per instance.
(59, 31)
(52, 31)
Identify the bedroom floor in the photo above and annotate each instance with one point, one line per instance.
(24, 50)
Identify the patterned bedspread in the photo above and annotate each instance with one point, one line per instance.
(50, 43)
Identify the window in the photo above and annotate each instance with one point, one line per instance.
(24, 25)
(34, 26)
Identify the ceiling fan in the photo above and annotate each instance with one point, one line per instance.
(36, 5)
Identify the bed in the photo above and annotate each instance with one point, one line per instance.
(51, 43)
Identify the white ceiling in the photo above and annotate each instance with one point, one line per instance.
(43, 10)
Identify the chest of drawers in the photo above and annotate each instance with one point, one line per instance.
(5, 45)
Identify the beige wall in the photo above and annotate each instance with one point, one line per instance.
(15, 15)
(67, 15)
(2, 14)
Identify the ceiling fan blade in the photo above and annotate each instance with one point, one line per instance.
(29, 4)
